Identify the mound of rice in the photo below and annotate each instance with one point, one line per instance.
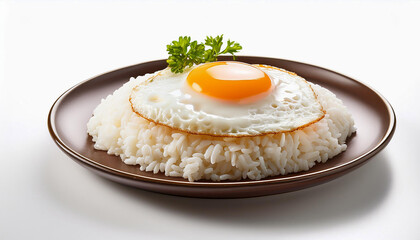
(115, 128)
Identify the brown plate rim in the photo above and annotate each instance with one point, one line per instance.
(301, 176)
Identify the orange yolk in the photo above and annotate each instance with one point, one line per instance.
(230, 81)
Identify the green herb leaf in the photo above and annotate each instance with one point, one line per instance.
(184, 53)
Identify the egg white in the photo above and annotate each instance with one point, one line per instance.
(166, 99)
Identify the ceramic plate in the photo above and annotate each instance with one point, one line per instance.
(373, 115)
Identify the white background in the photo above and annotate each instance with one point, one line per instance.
(48, 46)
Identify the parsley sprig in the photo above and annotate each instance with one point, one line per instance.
(185, 53)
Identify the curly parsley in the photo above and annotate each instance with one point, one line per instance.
(184, 53)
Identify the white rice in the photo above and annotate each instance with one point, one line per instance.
(116, 129)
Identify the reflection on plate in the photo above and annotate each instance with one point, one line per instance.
(373, 115)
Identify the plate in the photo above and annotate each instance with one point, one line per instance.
(374, 118)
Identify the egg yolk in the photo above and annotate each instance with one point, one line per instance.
(234, 82)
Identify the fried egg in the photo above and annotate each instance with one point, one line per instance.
(229, 99)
